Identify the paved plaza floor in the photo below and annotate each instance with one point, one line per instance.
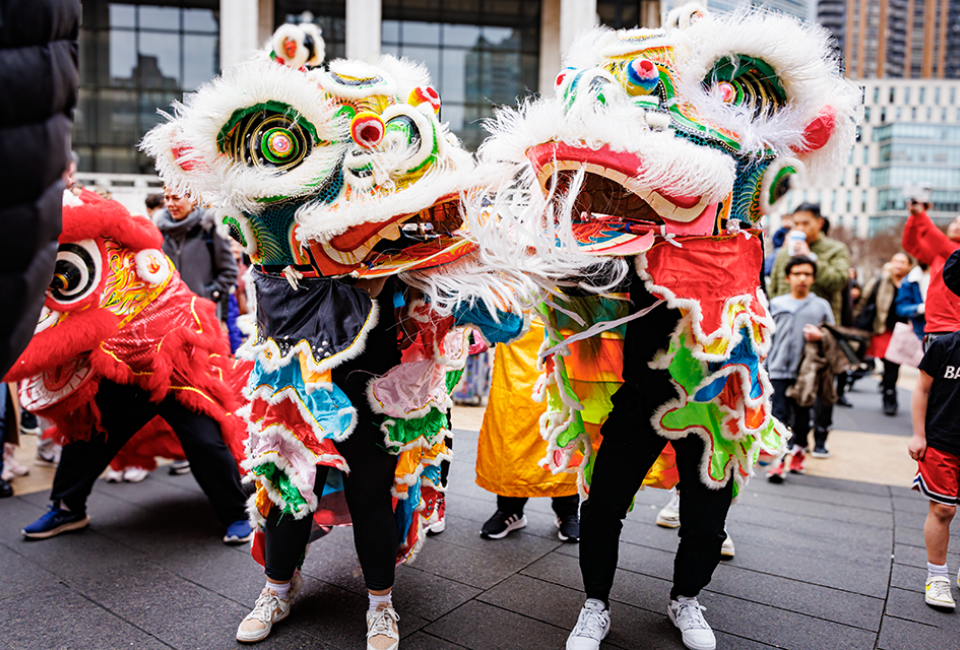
(822, 563)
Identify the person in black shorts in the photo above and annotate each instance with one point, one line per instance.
(935, 446)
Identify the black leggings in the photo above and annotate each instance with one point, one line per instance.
(125, 410)
(367, 490)
(629, 449)
(367, 486)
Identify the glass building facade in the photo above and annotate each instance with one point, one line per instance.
(911, 155)
(136, 58)
(480, 53)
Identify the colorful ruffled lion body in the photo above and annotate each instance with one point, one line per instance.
(117, 310)
(666, 146)
(328, 176)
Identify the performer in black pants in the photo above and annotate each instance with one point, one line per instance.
(629, 449)
(125, 409)
(367, 489)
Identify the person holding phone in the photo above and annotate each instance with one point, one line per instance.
(927, 243)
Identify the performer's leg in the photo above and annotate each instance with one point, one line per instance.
(780, 408)
(213, 466)
(285, 538)
(124, 411)
(702, 520)
(630, 447)
(566, 506)
(368, 495)
(630, 444)
(511, 505)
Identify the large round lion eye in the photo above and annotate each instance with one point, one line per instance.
(746, 81)
(77, 272)
(268, 140)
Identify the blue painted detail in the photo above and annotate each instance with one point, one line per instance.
(743, 355)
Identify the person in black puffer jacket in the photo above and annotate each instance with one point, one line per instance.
(38, 92)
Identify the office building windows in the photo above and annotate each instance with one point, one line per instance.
(480, 54)
(136, 58)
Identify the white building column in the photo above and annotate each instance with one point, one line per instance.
(550, 59)
(363, 28)
(576, 16)
(239, 37)
(265, 25)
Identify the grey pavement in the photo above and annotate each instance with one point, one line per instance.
(821, 564)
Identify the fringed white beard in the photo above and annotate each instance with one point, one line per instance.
(523, 234)
(468, 281)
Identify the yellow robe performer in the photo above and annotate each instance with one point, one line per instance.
(510, 446)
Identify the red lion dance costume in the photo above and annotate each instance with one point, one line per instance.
(117, 314)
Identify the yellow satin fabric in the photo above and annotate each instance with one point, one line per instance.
(510, 446)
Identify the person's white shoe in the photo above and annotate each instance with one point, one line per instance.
(382, 630)
(938, 593)
(669, 515)
(114, 476)
(727, 550)
(135, 474)
(269, 609)
(687, 615)
(592, 626)
(11, 467)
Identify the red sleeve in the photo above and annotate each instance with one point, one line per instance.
(924, 240)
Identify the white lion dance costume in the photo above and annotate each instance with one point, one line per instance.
(328, 176)
(666, 147)
(648, 168)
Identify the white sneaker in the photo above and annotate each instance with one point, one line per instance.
(11, 467)
(135, 474)
(669, 515)
(592, 627)
(114, 476)
(727, 550)
(269, 609)
(687, 615)
(48, 453)
(382, 631)
(938, 593)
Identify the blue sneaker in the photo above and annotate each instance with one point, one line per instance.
(239, 532)
(56, 521)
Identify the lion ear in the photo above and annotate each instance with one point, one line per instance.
(685, 16)
(177, 163)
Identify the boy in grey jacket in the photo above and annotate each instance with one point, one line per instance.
(798, 316)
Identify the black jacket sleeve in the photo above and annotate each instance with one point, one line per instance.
(38, 92)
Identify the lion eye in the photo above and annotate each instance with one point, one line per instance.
(267, 139)
(77, 272)
(748, 82)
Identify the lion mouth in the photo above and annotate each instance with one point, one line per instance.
(603, 199)
(611, 193)
(411, 237)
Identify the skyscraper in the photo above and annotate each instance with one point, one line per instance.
(913, 39)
